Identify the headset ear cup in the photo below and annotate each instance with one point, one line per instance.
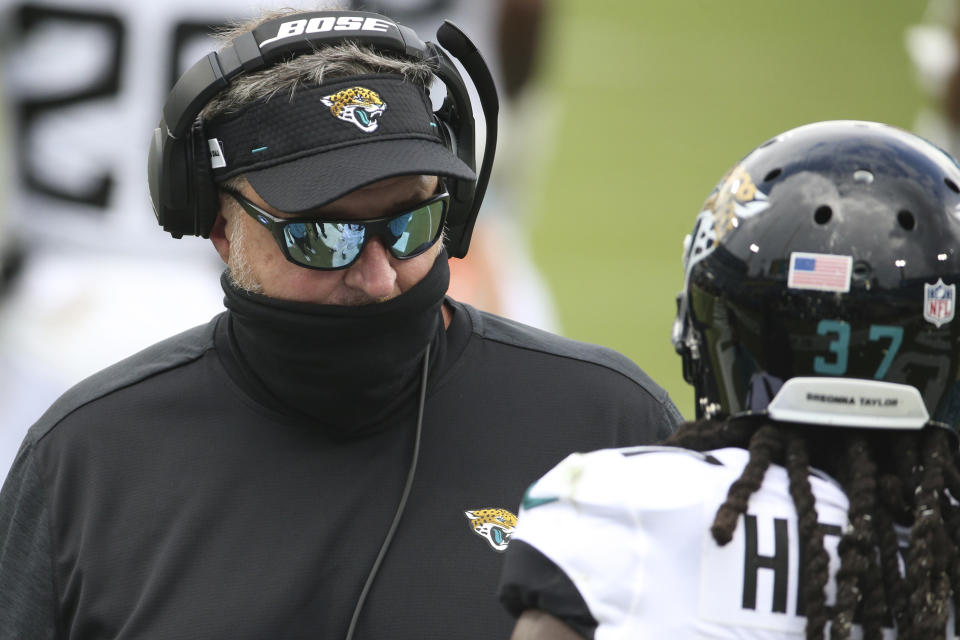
(155, 174)
(204, 196)
(168, 168)
(182, 190)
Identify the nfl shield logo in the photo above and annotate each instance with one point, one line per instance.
(938, 302)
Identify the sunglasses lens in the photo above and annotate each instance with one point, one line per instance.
(333, 245)
(416, 231)
(323, 245)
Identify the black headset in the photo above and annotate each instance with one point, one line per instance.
(182, 189)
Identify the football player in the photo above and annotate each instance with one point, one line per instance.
(816, 495)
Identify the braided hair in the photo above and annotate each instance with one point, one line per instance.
(905, 478)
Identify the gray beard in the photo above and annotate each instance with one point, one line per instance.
(238, 268)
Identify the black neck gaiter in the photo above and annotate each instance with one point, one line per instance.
(346, 368)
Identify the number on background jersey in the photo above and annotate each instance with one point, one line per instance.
(106, 84)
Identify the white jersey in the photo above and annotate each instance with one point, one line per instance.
(84, 82)
(630, 530)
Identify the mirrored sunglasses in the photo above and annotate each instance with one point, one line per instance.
(317, 243)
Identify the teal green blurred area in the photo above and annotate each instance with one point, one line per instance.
(656, 100)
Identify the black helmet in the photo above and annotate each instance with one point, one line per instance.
(828, 256)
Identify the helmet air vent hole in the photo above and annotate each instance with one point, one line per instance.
(906, 220)
(772, 175)
(823, 214)
(951, 185)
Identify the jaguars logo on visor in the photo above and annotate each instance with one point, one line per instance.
(363, 107)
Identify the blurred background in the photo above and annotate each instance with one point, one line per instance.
(653, 101)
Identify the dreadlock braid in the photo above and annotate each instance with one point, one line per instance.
(875, 599)
(766, 443)
(951, 474)
(927, 573)
(856, 546)
(874, 593)
(893, 582)
(710, 434)
(816, 571)
(891, 493)
(907, 465)
(951, 518)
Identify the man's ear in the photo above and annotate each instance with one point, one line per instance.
(219, 236)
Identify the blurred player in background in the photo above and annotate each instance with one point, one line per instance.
(933, 46)
(499, 274)
(90, 279)
(87, 277)
(818, 491)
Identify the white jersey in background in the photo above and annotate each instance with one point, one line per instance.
(83, 87)
(626, 536)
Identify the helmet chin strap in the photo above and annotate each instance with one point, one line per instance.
(686, 345)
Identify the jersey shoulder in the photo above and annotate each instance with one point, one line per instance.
(168, 354)
(620, 479)
(494, 328)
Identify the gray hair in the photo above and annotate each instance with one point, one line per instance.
(307, 70)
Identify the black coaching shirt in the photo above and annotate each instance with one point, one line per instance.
(159, 500)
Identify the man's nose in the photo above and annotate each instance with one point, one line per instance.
(373, 273)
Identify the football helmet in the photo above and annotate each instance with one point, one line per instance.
(828, 255)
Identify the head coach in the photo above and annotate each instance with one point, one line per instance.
(339, 453)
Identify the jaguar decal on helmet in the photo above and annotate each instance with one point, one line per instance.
(735, 198)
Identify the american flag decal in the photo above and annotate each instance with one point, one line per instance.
(820, 272)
